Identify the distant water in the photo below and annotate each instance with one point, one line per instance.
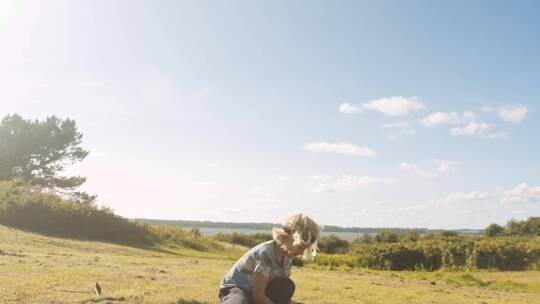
(210, 231)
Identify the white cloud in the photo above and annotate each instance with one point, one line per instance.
(269, 200)
(408, 167)
(400, 129)
(392, 137)
(284, 178)
(430, 168)
(384, 209)
(344, 210)
(206, 185)
(347, 182)
(411, 208)
(396, 125)
(347, 108)
(391, 106)
(445, 166)
(236, 209)
(509, 113)
(263, 204)
(514, 114)
(467, 124)
(401, 133)
(395, 105)
(257, 190)
(199, 94)
(469, 116)
(407, 132)
(471, 129)
(342, 148)
(441, 118)
(466, 196)
(522, 193)
(320, 178)
(499, 135)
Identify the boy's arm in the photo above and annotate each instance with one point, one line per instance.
(259, 289)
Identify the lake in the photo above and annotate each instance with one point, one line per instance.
(210, 231)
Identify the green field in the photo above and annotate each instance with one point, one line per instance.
(39, 269)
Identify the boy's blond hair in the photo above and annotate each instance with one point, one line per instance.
(304, 231)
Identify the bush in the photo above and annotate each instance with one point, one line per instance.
(493, 230)
(449, 252)
(22, 207)
(333, 244)
(247, 240)
(501, 254)
(336, 261)
(176, 236)
(386, 237)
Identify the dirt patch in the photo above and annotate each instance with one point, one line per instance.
(104, 299)
(183, 301)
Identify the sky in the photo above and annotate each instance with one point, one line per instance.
(357, 113)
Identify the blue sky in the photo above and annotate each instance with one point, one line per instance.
(375, 113)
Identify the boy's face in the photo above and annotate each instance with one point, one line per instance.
(298, 251)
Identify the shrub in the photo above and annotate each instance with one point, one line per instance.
(248, 240)
(449, 252)
(387, 237)
(493, 230)
(22, 207)
(333, 244)
(176, 236)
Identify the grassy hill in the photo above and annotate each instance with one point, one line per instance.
(41, 269)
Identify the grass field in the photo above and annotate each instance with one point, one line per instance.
(40, 269)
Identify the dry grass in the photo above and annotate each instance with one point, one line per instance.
(39, 269)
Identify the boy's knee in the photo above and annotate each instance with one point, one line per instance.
(235, 296)
(280, 290)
